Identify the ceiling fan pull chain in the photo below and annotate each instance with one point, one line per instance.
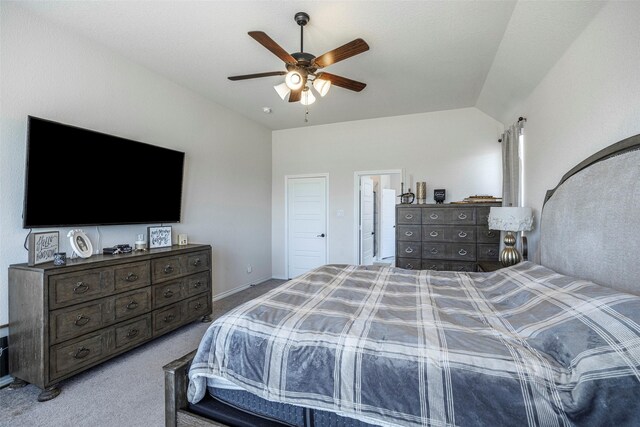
(306, 114)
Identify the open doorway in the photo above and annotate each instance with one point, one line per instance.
(375, 201)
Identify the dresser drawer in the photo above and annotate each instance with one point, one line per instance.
(197, 307)
(133, 332)
(448, 233)
(166, 319)
(197, 283)
(408, 263)
(78, 320)
(199, 261)
(430, 264)
(434, 250)
(462, 216)
(482, 215)
(133, 303)
(409, 249)
(408, 216)
(435, 233)
(434, 216)
(69, 357)
(463, 251)
(132, 276)
(167, 293)
(72, 288)
(168, 268)
(488, 252)
(462, 266)
(409, 233)
(488, 236)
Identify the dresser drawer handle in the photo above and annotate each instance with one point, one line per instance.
(490, 233)
(462, 234)
(433, 267)
(168, 269)
(409, 267)
(198, 306)
(168, 293)
(462, 216)
(132, 333)
(131, 277)
(434, 251)
(408, 250)
(461, 268)
(132, 305)
(196, 262)
(169, 318)
(81, 320)
(462, 252)
(82, 353)
(433, 216)
(197, 284)
(408, 233)
(491, 252)
(433, 234)
(408, 216)
(80, 288)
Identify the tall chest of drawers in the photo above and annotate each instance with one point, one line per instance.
(444, 237)
(66, 319)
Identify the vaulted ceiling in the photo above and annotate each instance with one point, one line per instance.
(424, 55)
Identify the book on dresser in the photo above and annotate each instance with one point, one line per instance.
(66, 319)
(445, 237)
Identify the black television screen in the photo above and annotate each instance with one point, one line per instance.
(79, 177)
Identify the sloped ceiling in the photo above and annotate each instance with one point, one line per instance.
(425, 55)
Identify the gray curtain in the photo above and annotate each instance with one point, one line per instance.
(511, 165)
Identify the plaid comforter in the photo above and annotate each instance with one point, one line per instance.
(520, 346)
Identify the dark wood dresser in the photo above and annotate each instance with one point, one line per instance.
(444, 237)
(66, 319)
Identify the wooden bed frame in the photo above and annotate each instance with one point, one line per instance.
(177, 411)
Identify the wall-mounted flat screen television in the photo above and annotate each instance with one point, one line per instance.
(77, 177)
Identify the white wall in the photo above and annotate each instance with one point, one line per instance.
(456, 150)
(51, 73)
(590, 99)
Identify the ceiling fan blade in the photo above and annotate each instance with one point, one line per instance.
(343, 52)
(295, 95)
(343, 82)
(255, 76)
(274, 47)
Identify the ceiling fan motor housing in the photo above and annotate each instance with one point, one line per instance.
(301, 18)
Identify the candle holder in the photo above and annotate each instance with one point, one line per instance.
(421, 192)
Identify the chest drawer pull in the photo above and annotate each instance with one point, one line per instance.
(433, 267)
(462, 252)
(409, 250)
(198, 306)
(131, 277)
(132, 305)
(169, 318)
(132, 333)
(81, 320)
(409, 267)
(168, 269)
(490, 233)
(80, 288)
(462, 216)
(408, 233)
(408, 216)
(168, 293)
(433, 234)
(433, 216)
(196, 262)
(461, 268)
(434, 251)
(82, 353)
(491, 252)
(197, 284)
(462, 234)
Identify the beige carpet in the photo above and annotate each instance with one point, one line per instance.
(125, 391)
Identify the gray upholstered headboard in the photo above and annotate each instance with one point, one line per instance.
(590, 225)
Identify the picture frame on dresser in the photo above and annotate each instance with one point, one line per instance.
(159, 237)
(42, 247)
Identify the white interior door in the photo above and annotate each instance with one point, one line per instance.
(306, 224)
(366, 221)
(387, 223)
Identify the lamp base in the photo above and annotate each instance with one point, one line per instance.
(509, 255)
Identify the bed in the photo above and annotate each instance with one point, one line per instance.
(555, 343)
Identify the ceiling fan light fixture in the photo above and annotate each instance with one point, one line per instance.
(294, 80)
(322, 86)
(283, 90)
(307, 97)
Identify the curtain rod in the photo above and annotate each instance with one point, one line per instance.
(520, 119)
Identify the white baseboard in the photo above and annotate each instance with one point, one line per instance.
(238, 289)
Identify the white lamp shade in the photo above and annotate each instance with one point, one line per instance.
(510, 219)
(322, 86)
(294, 80)
(283, 90)
(307, 97)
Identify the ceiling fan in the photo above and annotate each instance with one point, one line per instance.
(303, 67)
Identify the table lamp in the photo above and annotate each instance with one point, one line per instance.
(510, 219)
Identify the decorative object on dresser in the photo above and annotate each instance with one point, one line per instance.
(510, 219)
(444, 237)
(80, 243)
(421, 192)
(406, 198)
(159, 237)
(43, 247)
(440, 195)
(66, 319)
(182, 239)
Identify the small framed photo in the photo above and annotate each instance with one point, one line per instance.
(159, 237)
(42, 247)
(80, 243)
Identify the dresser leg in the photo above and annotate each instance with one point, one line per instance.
(17, 383)
(206, 318)
(49, 393)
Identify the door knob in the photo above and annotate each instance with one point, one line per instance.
(320, 235)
